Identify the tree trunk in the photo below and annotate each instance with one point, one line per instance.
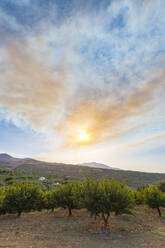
(160, 214)
(105, 218)
(19, 213)
(69, 212)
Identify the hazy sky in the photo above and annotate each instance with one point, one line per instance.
(84, 81)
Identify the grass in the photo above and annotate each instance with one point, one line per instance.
(159, 232)
(123, 229)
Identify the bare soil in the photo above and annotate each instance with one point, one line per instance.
(144, 229)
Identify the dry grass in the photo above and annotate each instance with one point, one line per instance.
(56, 230)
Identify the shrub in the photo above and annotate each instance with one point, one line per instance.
(50, 199)
(23, 197)
(65, 197)
(139, 199)
(161, 186)
(2, 198)
(154, 198)
(103, 198)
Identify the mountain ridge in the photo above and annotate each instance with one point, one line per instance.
(98, 165)
(72, 172)
(4, 157)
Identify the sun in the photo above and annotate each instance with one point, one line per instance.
(83, 137)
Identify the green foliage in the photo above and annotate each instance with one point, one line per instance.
(91, 195)
(100, 198)
(139, 197)
(50, 199)
(46, 185)
(154, 198)
(65, 196)
(139, 194)
(103, 198)
(2, 198)
(161, 186)
(8, 179)
(23, 197)
(13, 178)
(142, 188)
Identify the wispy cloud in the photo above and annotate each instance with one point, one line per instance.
(30, 88)
(103, 119)
(91, 71)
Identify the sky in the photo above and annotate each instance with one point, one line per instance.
(84, 81)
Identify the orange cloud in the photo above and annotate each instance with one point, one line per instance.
(32, 90)
(29, 87)
(102, 119)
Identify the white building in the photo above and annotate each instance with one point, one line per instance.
(41, 178)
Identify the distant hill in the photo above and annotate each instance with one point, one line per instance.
(98, 165)
(4, 157)
(77, 172)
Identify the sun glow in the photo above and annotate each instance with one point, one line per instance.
(83, 137)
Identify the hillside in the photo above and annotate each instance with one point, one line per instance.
(74, 172)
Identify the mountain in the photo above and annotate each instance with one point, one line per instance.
(6, 158)
(77, 172)
(98, 165)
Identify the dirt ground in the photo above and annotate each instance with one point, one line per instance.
(55, 230)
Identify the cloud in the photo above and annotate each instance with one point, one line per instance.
(29, 88)
(103, 119)
(89, 71)
(149, 139)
